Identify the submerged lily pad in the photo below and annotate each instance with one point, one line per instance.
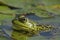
(55, 9)
(3, 17)
(5, 9)
(27, 6)
(16, 3)
(53, 6)
(51, 2)
(42, 12)
(20, 3)
(5, 13)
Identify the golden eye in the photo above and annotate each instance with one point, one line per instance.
(22, 19)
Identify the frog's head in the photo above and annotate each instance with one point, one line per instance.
(21, 23)
(26, 26)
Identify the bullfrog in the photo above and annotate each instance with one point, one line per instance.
(24, 27)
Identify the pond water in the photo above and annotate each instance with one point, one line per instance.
(6, 28)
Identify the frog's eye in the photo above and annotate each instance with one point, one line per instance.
(22, 19)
